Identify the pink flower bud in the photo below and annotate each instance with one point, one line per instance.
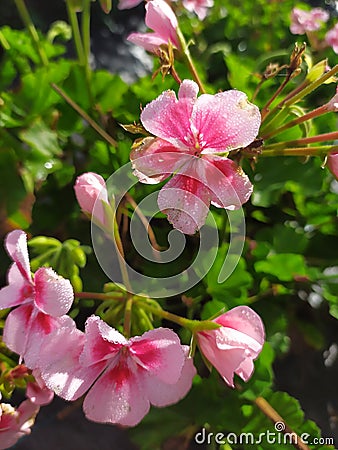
(88, 188)
(332, 163)
(232, 348)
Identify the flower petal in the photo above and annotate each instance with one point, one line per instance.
(14, 293)
(160, 353)
(17, 327)
(163, 394)
(41, 328)
(225, 121)
(185, 200)
(149, 41)
(53, 293)
(116, 397)
(244, 320)
(161, 18)
(16, 245)
(169, 119)
(229, 186)
(102, 342)
(155, 160)
(59, 363)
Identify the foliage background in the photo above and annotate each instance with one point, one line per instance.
(288, 271)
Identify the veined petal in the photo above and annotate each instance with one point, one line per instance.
(117, 397)
(244, 320)
(225, 121)
(16, 291)
(149, 41)
(17, 328)
(16, 246)
(53, 293)
(59, 363)
(161, 18)
(42, 326)
(160, 353)
(229, 186)
(102, 342)
(155, 160)
(169, 118)
(186, 201)
(163, 394)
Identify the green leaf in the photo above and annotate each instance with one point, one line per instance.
(284, 266)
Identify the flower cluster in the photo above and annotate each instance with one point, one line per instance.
(122, 377)
(303, 22)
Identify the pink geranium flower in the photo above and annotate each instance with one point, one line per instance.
(303, 21)
(90, 187)
(15, 423)
(192, 134)
(123, 376)
(199, 7)
(162, 20)
(233, 347)
(331, 38)
(41, 301)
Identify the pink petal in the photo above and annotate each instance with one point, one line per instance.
(102, 342)
(16, 245)
(117, 397)
(188, 89)
(163, 394)
(59, 363)
(155, 160)
(161, 18)
(41, 328)
(225, 121)
(17, 290)
(226, 362)
(37, 392)
(185, 200)
(17, 327)
(160, 353)
(229, 186)
(332, 164)
(244, 320)
(54, 294)
(149, 41)
(169, 119)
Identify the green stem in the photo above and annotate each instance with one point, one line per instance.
(191, 65)
(100, 296)
(85, 28)
(76, 33)
(192, 325)
(265, 109)
(4, 42)
(85, 116)
(300, 151)
(308, 140)
(311, 87)
(298, 120)
(127, 316)
(24, 14)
